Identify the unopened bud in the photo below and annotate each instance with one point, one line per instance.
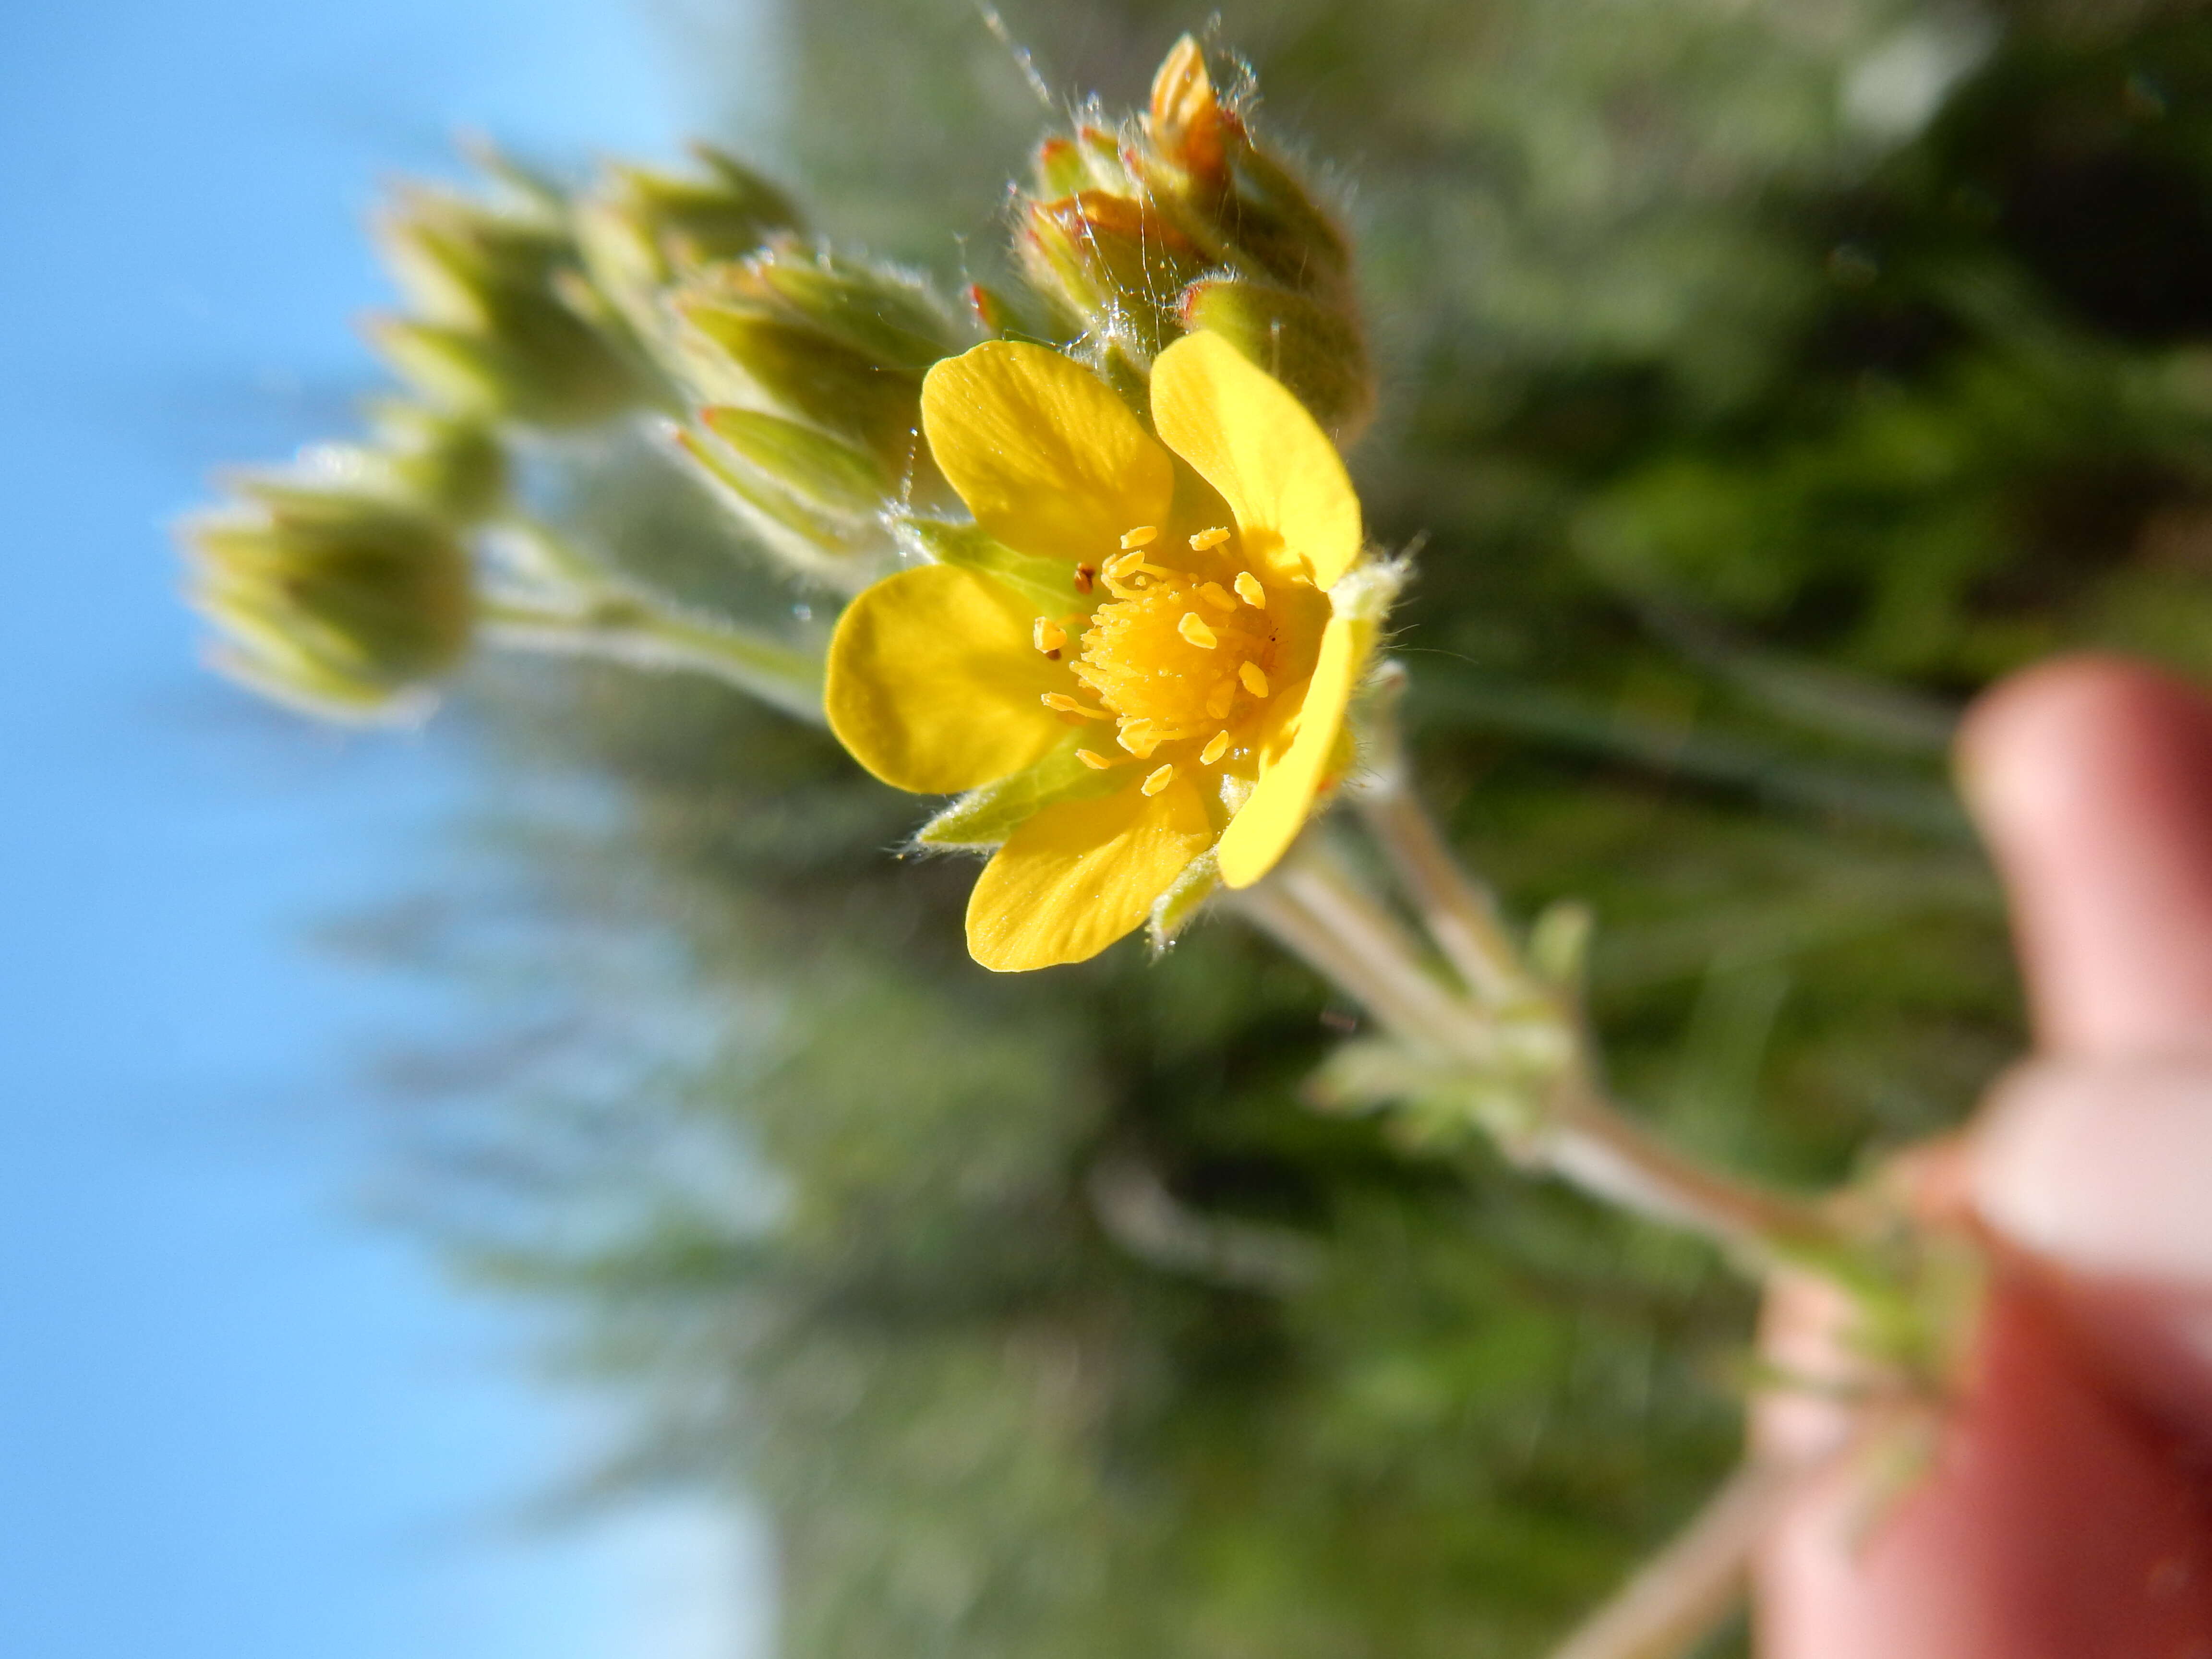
(338, 600)
(1188, 127)
(814, 499)
(834, 343)
(748, 355)
(492, 332)
(1315, 351)
(640, 230)
(1114, 265)
(451, 465)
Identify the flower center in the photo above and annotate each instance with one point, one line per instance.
(1175, 654)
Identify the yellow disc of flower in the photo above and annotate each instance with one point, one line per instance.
(1132, 669)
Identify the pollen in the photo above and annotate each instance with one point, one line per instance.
(1250, 590)
(1206, 539)
(1159, 780)
(1060, 703)
(1143, 536)
(1049, 636)
(1096, 762)
(1196, 631)
(1256, 681)
(1215, 593)
(1216, 747)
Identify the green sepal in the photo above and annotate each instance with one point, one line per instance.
(804, 373)
(800, 530)
(883, 314)
(1175, 909)
(986, 816)
(1316, 350)
(807, 462)
(1046, 583)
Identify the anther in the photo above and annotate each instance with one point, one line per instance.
(1219, 699)
(1215, 593)
(1142, 536)
(1196, 631)
(1050, 637)
(1250, 590)
(1216, 747)
(1159, 781)
(1096, 763)
(1084, 575)
(1254, 680)
(1060, 703)
(1206, 539)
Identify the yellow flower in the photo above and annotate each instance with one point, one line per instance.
(1138, 667)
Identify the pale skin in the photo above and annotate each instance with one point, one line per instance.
(2067, 1511)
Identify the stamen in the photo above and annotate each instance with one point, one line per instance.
(1084, 575)
(1049, 636)
(1255, 680)
(1138, 740)
(1159, 781)
(1206, 539)
(1215, 748)
(1142, 536)
(1096, 763)
(1215, 593)
(1060, 703)
(1219, 699)
(1250, 590)
(1196, 631)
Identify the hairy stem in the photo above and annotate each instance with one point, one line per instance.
(1681, 1595)
(1458, 912)
(1312, 905)
(628, 629)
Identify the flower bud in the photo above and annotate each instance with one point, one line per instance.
(494, 334)
(639, 231)
(1122, 227)
(808, 368)
(1112, 265)
(1315, 351)
(815, 500)
(334, 597)
(451, 465)
(1187, 126)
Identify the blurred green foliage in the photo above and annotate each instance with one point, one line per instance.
(1760, 380)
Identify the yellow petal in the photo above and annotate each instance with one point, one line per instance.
(1252, 441)
(1080, 875)
(1295, 754)
(1047, 459)
(934, 682)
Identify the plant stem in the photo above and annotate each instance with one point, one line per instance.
(1312, 906)
(1682, 1593)
(1459, 913)
(650, 634)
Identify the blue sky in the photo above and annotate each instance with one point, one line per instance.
(235, 1420)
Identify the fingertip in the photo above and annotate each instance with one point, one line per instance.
(2091, 777)
(2101, 1167)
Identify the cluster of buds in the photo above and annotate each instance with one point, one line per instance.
(1182, 221)
(331, 590)
(641, 232)
(805, 367)
(500, 325)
